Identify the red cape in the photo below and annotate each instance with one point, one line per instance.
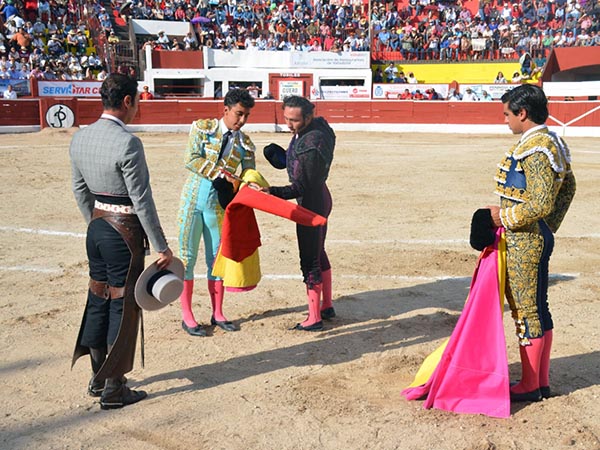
(240, 236)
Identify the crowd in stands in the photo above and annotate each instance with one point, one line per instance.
(446, 30)
(450, 30)
(48, 40)
(301, 25)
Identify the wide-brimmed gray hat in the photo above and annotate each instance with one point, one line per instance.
(155, 288)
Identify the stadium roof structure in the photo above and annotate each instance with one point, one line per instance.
(572, 64)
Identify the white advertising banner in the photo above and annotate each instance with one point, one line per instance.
(572, 88)
(330, 60)
(339, 93)
(393, 91)
(495, 90)
(290, 87)
(69, 88)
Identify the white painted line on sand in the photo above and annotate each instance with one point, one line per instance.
(329, 241)
(57, 270)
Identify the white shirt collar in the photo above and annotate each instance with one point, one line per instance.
(223, 127)
(533, 130)
(114, 119)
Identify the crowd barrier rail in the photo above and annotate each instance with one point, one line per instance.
(569, 117)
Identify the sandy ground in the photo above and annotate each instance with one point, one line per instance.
(402, 265)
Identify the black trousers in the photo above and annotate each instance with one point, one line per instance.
(311, 240)
(109, 259)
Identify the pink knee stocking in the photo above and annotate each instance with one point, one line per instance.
(314, 305)
(186, 303)
(217, 291)
(545, 363)
(531, 358)
(327, 290)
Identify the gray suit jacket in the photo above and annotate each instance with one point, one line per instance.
(106, 159)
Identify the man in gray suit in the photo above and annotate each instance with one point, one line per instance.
(111, 184)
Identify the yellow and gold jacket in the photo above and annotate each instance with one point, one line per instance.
(535, 181)
(204, 145)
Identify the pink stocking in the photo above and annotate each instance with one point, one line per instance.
(327, 290)
(531, 358)
(186, 303)
(545, 364)
(217, 291)
(314, 303)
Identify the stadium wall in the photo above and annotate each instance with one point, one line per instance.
(574, 118)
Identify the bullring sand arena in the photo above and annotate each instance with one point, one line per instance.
(398, 243)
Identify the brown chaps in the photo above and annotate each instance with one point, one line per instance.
(122, 353)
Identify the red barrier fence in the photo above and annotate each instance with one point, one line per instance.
(184, 112)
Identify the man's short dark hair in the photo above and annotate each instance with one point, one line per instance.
(529, 97)
(295, 101)
(241, 96)
(115, 88)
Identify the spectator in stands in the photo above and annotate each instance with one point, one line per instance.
(146, 94)
(55, 46)
(391, 72)
(406, 95)
(433, 48)
(9, 10)
(406, 46)
(176, 45)
(44, 10)
(51, 27)
(9, 93)
(49, 74)
(36, 73)
(445, 50)
(94, 62)
(500, 79)
(516, 78)
(163, 40)
(411, 79)
(71, 41)
(113, 38)
(37, 42)
(189, 42)
(453, 95)
(527, 65)
(485, 97)
(81, 42)
(418, 95)
(254, 90)
(378, 77)
(102, 75)
(21, 38)
(431, 94)
(383, 39)
(470, 96)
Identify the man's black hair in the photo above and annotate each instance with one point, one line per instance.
(241, 96)
(295, 101)
(529, 97)
(115, 88)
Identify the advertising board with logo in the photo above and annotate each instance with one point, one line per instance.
(290, 87)
(69, 88)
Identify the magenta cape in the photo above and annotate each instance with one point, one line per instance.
(472, 373)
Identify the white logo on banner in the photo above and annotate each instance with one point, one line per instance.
(60, 116)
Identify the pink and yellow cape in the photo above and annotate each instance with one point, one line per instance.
(469, 372)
